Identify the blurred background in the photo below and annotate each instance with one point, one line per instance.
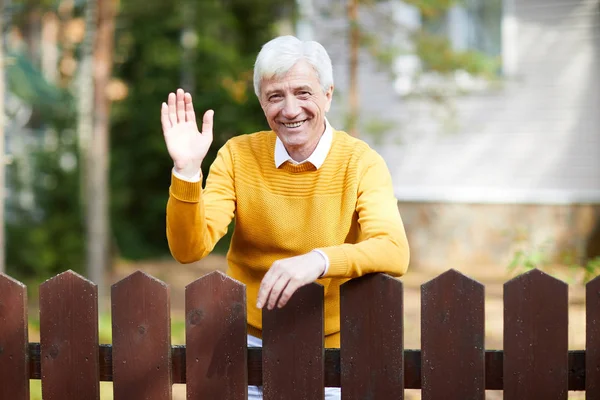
(487, 113)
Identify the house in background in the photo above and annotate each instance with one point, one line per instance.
(521, 169)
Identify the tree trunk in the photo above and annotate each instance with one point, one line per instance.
(98, 222)
(85, 106)
(354, 49)
(189, 39)
(2, 158)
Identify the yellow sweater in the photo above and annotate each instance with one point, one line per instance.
(346, 208)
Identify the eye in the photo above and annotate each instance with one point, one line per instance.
(304, 93)
(274, 97)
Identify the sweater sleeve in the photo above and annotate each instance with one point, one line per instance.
(382, 245)
(197, 218)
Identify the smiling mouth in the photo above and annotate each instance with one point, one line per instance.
(293, 124)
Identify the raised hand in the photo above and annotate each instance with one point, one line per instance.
(186, 145)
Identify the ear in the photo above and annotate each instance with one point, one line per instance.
(329, 96)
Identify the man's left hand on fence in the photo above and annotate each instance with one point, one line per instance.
(286, 276)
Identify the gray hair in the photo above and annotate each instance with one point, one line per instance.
(279, 55)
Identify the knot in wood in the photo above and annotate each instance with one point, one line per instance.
(53, 352)
(195, 316)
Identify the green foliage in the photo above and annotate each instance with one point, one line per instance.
(437, 55)
(47, 237)
(26, 81)
(432, 8)
(150, 60)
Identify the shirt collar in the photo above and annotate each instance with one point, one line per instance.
(317, 158)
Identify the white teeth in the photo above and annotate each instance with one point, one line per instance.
(294, 125)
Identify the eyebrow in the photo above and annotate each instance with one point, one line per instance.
(303, 88)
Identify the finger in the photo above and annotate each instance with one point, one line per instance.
(172, 112)
(207, 123)
(266, 285)
(190, 115)
(289, 290)
(164, 117)
(278, 287)
(180, 106)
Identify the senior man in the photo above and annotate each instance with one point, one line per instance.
(311, 203)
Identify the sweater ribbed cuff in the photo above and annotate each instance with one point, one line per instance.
(338, 262)
(188, 192)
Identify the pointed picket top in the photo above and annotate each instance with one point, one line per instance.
(215, 277)
(69, 337)
(452, 337)
(372, 307)
(68, 275)
(367, 279)
(451, 279)
(595, 283)
(216, 335)
(141, 334)
(138, 278)
(10, 282)
(13, 339)
(535, 276)
(536, 337)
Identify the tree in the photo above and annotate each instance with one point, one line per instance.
(226, 36)
(433, 49)
(354, 35)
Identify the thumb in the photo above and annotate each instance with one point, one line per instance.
(207, 123)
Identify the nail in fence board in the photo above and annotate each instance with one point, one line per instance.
(293, 367)
(14, 347)
(536, 364)
(371, 353)
(216, 359)
(69, 338)
(141, 339)
(452, 338)
(592, 340)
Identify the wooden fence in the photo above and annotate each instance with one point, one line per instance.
(371, 364)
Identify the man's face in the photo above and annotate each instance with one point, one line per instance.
(295, 106)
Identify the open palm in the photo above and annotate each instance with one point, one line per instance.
(186, 145)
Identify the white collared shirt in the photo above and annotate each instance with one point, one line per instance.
(317, 158)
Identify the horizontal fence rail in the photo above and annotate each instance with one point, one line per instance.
(412, 367)
(293, 363)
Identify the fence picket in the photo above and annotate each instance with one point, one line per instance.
(452, 338)
(371, 353)
(293, 367)
(14, 363)
(69, 338)
(216, 359)
(536, 363)
(592, 339)
(141, 339)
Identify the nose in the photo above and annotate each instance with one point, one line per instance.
(291, 108)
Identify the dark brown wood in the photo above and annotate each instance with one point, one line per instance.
(293, 367)
(412, 367)
(592, 339)
(536, 364)
(141, 339)
(216, 338)
(372, 338)
(69, 338)
(14, 362)
(452, 338)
